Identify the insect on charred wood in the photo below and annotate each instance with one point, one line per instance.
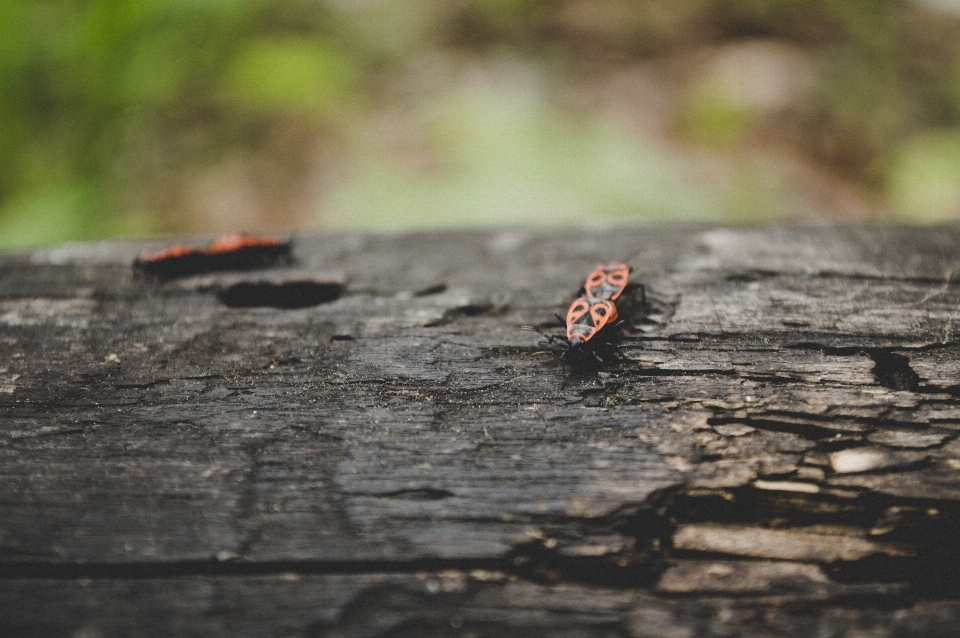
(593, 317)
(235, 251)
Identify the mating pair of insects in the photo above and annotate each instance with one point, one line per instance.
(593, 316)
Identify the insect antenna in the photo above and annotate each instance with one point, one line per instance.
(549, 338)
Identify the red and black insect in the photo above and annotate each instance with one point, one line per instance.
(593, 317)
(236, 251)
(612, 282)
(586, 318)
(590, 322)
(607, 282)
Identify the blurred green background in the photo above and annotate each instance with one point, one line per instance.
(132, 118)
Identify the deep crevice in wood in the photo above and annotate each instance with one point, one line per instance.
(288, 294)
(928, 531)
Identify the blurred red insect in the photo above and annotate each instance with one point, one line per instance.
(240, 241)
(236, 251)
(607, 282)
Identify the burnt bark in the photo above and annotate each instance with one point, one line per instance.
(363, 442)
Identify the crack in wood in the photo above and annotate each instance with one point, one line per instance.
(433, 289)
(234, 566)
(248, 516)
(412, 494)
(459, 312)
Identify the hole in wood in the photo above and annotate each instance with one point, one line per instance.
(893, 371)
(287, 295)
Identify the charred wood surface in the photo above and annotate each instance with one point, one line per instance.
(363, 443)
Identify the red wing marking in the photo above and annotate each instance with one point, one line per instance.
(607, 282)
(177, 250)
(236, 241)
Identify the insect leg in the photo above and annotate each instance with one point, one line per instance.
(549, 338)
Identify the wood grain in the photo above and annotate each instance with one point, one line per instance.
(776, 452)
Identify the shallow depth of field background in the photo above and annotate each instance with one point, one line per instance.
(132, 118)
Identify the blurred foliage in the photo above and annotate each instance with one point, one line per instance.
(95, 94)
(709, 116)
(430, 112)
(925, 176)
(507, 158)
(313, 77)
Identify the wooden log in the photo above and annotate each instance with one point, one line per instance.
(363, 442)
